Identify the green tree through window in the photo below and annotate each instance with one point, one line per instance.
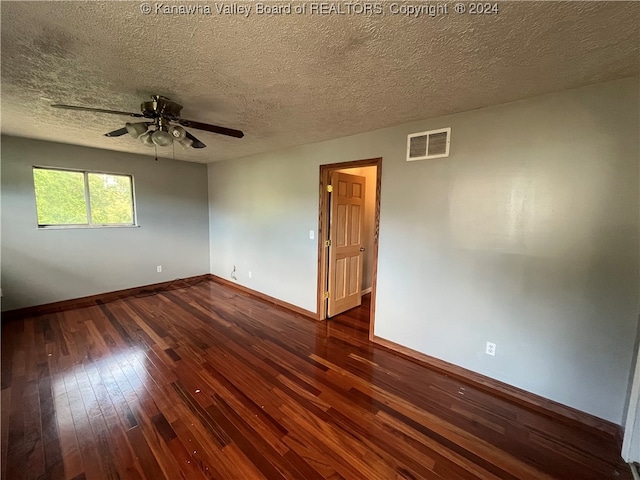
(62, 196)
(110, 197)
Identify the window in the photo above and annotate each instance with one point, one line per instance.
(80, 198)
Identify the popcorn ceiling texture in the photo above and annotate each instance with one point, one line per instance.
(293, 79)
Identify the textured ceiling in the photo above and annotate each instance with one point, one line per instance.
(293, 79)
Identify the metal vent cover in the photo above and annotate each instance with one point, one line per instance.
(426, 145)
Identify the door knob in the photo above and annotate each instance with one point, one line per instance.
(362, 249)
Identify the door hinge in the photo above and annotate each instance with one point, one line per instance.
(329, 188)
(327, 243)
(326, 295)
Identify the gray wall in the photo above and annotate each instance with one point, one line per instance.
(41, 266)
(526, 236)
(260, 214)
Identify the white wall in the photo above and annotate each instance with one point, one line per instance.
(45, 265)
(526, 236)
(631, 443)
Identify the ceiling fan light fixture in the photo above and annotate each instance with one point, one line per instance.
(178, 133)
(162, 138)
(145, 138)
(135, 129)
(185, 142)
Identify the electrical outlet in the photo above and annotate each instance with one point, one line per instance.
(159, 269)
(491, 349)
(249, 273)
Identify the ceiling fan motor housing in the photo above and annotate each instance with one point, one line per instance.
(161, 107)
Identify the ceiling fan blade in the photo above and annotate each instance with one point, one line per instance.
(116, 133)
(211, 128)
(196, 143)
(98, 110)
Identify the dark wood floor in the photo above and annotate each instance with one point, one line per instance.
(206, 382)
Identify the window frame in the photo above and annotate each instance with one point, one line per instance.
(87, 200)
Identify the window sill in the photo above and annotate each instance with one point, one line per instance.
(82, 227)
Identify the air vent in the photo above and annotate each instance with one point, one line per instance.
(431, 144)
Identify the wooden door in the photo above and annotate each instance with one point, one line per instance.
(346, 223)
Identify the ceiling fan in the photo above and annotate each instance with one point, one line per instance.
(162, 130)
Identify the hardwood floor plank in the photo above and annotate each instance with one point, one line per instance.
(217, 433)
(117, 326)
(33, 434)
(308, 453)
(108, 425)
(84, 432)
(321, 456)
(5, 411)
(272, 452)
(269, 428)
(210, 383)
(69, 448)
(187, 465)
(157, 447)
(209, 460)
(117, 398)
(252, 446)
(155, 390)
(11, 336)
(303, 468)
(403, 463)
(145, 456)
(16, 447)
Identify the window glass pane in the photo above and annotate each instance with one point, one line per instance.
(59, 197)
(111, 199)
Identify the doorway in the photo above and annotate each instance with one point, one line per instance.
(372, 168)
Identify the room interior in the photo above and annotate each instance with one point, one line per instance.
(524, 236)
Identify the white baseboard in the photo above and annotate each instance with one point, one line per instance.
(364, 292)
(634, 471)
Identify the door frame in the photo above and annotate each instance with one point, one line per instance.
(323, 231)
